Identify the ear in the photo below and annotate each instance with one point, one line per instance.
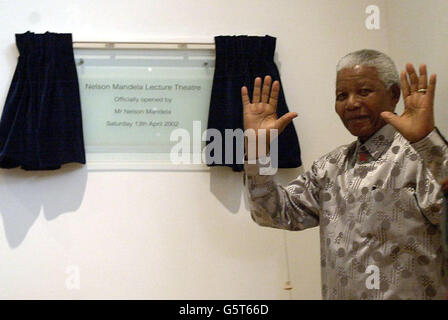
(394, 91)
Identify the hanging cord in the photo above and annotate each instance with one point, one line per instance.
(287, 285)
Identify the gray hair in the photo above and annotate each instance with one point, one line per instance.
(387, 72)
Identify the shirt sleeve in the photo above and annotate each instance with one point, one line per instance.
(293, 207)
(433, 150)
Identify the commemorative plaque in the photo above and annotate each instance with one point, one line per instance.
(132, 100)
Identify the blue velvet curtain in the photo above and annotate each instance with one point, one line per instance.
(41, 123)
(239, 60)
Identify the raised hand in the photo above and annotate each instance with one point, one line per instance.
(261, 113)
(417, 120)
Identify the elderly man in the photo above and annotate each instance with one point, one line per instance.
(377, 200)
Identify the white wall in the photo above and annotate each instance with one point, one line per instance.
(177, 235)
(419, 34)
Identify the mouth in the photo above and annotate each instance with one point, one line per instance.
(358, 118)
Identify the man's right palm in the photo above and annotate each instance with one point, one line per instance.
(261, 113)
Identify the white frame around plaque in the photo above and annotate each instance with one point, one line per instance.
(129, 161)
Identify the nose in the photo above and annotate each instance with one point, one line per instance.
(352, 102)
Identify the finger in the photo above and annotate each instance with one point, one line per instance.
(404, 84)
(423, 78)
(412, 77)
(392, 118)
(245, 97)
(432, 86)
(273, 99)
(266, 88)
(284, 121)
(257, 90)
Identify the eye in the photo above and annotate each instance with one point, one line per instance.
(341, 96)
(365, 92)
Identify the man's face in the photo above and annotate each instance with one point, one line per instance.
(360, 98)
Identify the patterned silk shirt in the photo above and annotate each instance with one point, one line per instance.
(378, 206)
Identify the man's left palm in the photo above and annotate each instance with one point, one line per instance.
(417, 120)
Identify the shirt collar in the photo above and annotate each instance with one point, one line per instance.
(378, 143)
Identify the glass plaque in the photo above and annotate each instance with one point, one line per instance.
(133, 99)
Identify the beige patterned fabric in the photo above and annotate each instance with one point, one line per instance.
(378, 206)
